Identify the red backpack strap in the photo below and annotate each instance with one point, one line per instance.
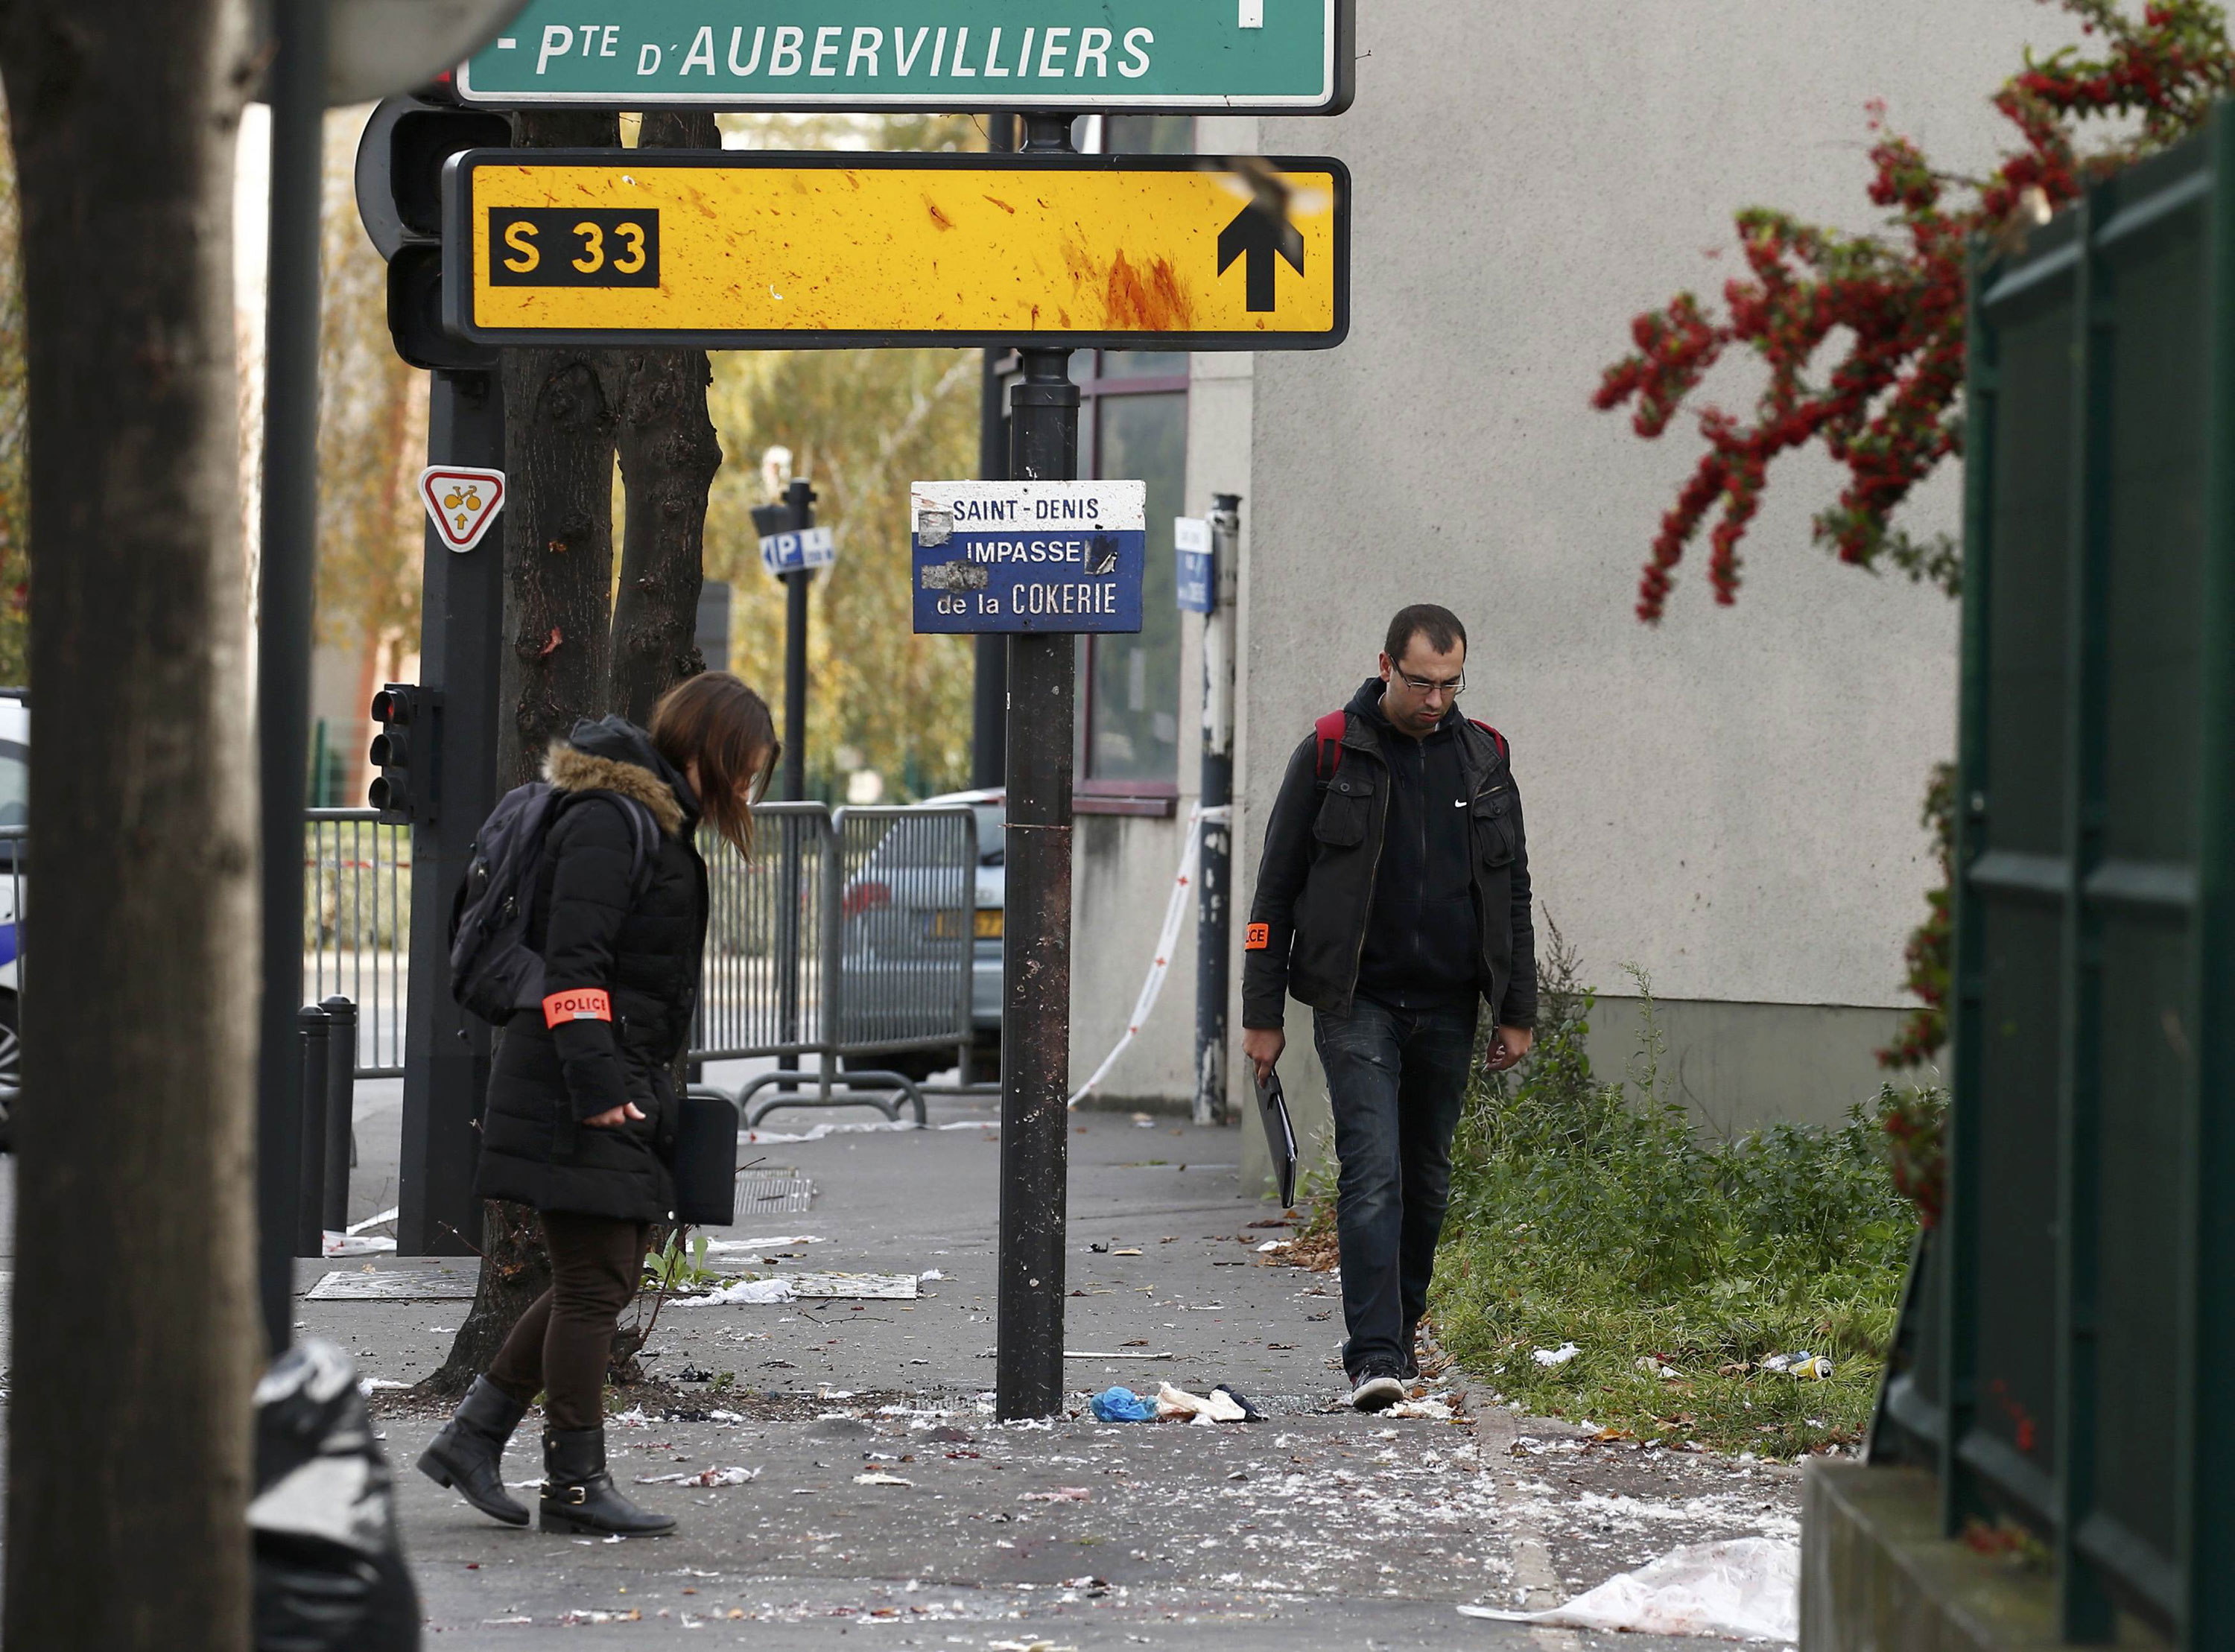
(1497, 738)
(1330, 731)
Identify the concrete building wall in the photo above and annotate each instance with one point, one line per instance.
(1728, 802)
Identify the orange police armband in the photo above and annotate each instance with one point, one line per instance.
(1260, 938)
(583, 1003)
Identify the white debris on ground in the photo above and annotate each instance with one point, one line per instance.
(354, 1245)
(1559, 1356)
(725, 1247)
(754, 1137)
(704, 1477)
(1742, 1587)
(745, 1290)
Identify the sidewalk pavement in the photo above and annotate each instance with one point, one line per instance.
(1319, 1528)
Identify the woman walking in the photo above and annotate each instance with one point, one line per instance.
(581, 1114)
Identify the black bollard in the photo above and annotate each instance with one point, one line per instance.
(310, 1022)
(340, 1103)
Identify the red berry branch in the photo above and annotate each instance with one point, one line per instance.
(1889, 304)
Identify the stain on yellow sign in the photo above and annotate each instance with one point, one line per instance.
(739, 250)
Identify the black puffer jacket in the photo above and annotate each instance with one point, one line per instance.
(1317, 888)
(593, 930)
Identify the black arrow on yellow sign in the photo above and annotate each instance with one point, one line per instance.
(1258, 232)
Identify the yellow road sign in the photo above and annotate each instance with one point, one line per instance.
(740, 249)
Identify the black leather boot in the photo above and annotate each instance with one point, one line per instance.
(579, 1495)
(468, 1454)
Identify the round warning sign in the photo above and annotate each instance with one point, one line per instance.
(461, 502)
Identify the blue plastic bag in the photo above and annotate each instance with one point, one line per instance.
(1123, 1404)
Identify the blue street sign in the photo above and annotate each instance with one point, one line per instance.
(1197, 579)
(782, 554)
(1028, 556)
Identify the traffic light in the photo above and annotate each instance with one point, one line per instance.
(405, 750)
(399, 197)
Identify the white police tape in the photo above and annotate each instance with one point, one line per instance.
(1167, 938)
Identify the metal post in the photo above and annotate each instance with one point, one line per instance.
(800, 499)
(446, 1051)
(799, 503)
(340, 1112)
(989, 705)
(1036, 963)
(1215, 914)
(286, 566)
(311, 1031)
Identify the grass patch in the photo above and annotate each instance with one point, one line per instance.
(1594, 1213)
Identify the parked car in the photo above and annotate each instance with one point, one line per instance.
(898, 918)
(14, 797)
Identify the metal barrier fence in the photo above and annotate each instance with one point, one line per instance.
(356, 926)
(760, 987)
(2068, 1358)
(849, 936)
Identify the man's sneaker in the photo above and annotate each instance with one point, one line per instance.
(1408, 1363)
(1379, 1388)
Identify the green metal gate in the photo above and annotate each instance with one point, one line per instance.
(2076, 1367)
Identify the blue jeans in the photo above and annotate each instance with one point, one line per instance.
(1397, 1078)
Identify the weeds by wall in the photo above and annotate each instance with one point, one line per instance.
(1591, 1212)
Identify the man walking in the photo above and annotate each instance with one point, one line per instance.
(1392, 898)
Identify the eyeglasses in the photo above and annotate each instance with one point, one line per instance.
(1453, 688)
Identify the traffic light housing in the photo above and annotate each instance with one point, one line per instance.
(404, 750)
(399, 197)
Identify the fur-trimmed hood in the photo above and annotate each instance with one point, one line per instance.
(613, 754)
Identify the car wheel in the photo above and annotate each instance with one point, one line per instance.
(11, 1069)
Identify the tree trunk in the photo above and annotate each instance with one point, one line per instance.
(558, 568)
(129, 1457)
(669, 455)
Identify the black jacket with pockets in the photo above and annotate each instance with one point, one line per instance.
(641, 940)
(1315, 883)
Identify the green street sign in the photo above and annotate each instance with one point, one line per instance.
(1244, 56)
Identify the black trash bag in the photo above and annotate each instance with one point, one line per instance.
(330, 1571)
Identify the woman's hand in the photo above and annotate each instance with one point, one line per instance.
(613, 1118)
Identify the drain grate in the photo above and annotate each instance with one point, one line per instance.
(765, 1195)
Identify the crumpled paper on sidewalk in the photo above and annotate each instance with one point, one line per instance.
(745, 1290)
(1741, 1588)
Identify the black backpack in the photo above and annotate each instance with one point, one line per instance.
(493, 970)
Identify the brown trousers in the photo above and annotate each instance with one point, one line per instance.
(562, 1343)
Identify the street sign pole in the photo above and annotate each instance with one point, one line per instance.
(447, 1051)
(789, 522)
(1214, 887)
(1036, 953)
(800, 497)
(285, 575)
